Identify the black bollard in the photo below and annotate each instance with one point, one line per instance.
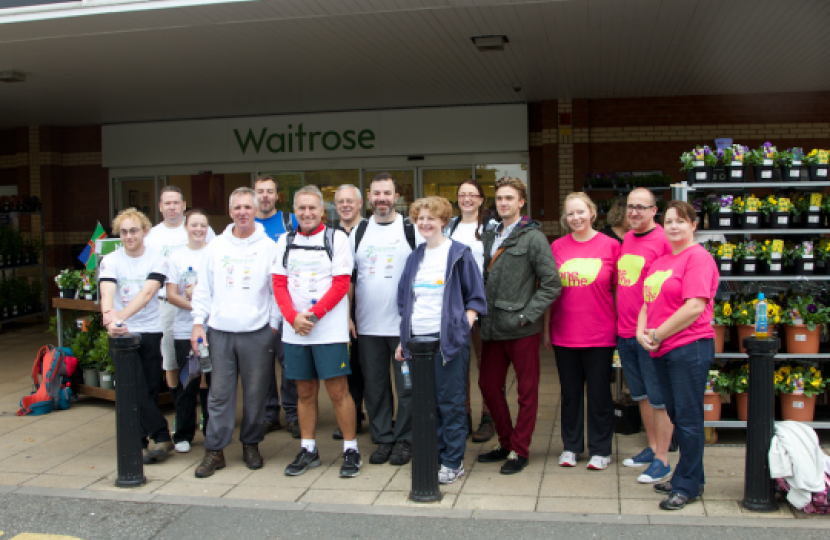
(759, 493)
(124, 352)
(424, 430)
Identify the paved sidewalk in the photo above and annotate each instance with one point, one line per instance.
(75, 450)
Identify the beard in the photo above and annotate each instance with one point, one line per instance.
(384, 212)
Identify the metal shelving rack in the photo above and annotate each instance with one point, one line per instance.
(42, 264)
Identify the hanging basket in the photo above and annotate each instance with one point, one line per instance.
(798, 407)
(712, 406)
(801, 340)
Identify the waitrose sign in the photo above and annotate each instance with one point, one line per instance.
(397, 132)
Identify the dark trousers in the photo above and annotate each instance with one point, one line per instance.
(288, 388)
(682, 373)
(496, 358)
(355, 378)
(451, 397)
(153, 423)
(581, 368)
(376, 356)
(185, 398)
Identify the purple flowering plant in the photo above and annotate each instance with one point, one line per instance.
(700, 154)
(736, 152)
(805, 309)
(764, 152)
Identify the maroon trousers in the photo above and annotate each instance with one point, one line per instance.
(495, 361)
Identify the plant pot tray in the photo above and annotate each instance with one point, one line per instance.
(109, 395)
(77, 305)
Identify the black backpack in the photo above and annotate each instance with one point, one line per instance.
(328, 241)
(408, 231)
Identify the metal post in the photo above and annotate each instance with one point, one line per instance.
(124, 352)
(424, 430)
(759, 494)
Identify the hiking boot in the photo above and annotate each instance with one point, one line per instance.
(145, 457)
(496, 454)
(665, 487)
(401, 454)
(514, 464)
(212, 462)
(381, 455)
(304, 461)
(294, 429)
(268, 426)
(251, 456)
(351, 464)
(161, 449)
(486, 429)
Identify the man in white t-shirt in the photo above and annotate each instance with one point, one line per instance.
(381, 246)
(165, 238)
(311, 276)
(130, 278)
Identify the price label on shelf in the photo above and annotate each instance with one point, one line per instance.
(697, 164)
(725, 222)
(749, 267)
(736, 173)
(775, 267)
(821, 172)
(726, 267)
(808, 266)
(813, 219)
(737, 163)
(795, 173)
(783, 220)
(700, 176)
(766, 174)
(752, 220)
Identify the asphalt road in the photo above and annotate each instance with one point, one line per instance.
(100, 519)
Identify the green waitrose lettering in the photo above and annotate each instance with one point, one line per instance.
(287, 142)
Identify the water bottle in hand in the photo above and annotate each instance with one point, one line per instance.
(407, 378)
(204, 356)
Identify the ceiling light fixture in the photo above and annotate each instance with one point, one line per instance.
(12, 76)
(490, 43)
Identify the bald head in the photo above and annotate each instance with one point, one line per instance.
(641, 209)
(645, 192)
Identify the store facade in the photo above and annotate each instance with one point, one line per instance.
(429, 151)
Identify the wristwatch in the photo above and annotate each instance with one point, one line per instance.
(313, 318)
(522, 320)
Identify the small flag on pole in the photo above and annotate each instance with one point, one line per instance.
(86, 257)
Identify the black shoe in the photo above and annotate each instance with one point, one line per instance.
(381, 455)
(515, 464)
(304, 461)
(675, 501)
(160, 449)
(351, 464)
(145, 457)
(401, 454)
(251, 456)
(665, 488)
(294, 428)
(486, 429)
(268, 426)
(673, 446)
(496, 454)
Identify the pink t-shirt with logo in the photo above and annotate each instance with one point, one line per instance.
(637, 255)
(584, 314)
(671, 281)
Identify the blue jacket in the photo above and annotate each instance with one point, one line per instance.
(464, 290)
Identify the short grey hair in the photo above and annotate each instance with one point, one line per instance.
(310, 189)
(349, 186)
(244, 190)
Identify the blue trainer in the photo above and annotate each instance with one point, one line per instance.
(656, 472)
(640, 460)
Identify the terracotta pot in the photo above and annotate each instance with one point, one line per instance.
(741, 405)
(711, 407)
(748, 330)
(720, 331)
(798, 407)
(800, 340)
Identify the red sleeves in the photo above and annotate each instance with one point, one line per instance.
(339, 288)
(284, 298)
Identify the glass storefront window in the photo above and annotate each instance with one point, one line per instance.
(210, 193)
(327, 180)
(406, 187)
(444, 183)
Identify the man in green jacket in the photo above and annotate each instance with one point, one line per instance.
(521, 281)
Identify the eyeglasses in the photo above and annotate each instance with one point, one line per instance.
(132, 232)
(468, 196)
(639, 209)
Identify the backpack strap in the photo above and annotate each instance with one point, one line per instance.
(286, 222)
(409, 232)
(328, 242)
(454, 225)
(289, 241)
(358, 234)
(37, 368)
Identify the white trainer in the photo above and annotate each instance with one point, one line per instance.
(450, 476)
(182, 447)
(567, 459)
(599, 463)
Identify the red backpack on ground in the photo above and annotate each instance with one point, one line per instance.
(51, 393)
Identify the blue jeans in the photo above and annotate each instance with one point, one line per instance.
(682, 373)
(639, 372)
(451, 402)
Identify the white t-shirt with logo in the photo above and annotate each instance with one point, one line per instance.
(428, 290)
(310, 274)
(167, 240)
(130, 274)
(380, 259)
(183, 269)
(465, 233)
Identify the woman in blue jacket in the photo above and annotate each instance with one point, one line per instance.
(440, 294)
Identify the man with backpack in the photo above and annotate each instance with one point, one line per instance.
(381, 246)
(311, 275)
(276, 224)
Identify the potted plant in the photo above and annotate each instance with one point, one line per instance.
(798, 387)
(90, 285)
(743, 317)
(763, 160)
(770, 254)
(721, 319)
(722, 253)
(698, 164)
(69, 281)
(776, 211)
(734, 163)
(746, 258)
(817, 164)
(802, 257)
(803, 317)
(822, 253)
(99, 355)
(739, 385)
(710, 206)
(806, 210)
(82, 349)
(791, 164)
(717, 387)
(726, 219)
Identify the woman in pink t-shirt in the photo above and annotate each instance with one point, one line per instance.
(675, 327)
(581, 327)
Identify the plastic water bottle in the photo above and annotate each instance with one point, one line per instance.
(407, 378)
(189, 276)
(204, 357)
(313, 303)
(761, 330)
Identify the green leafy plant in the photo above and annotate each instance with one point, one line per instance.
(736, 152)
(790, 155)
(719, 382)
(99, 354)
(722, 314)
(739, 379)
(763, 152)
(804, 309)
(69, 279)
(700, 154)
(791, 378)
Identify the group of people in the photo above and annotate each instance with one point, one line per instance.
(340, 304)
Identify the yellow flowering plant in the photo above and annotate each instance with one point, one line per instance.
(770, 204)
(743, 312)
(722, 313)
(790, 379)
(811, 158)
(739, 379)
